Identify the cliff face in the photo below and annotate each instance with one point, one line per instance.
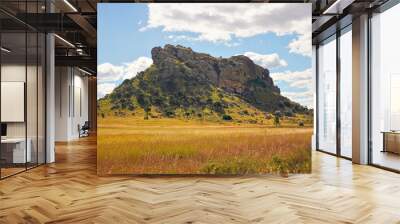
(182, 81)
(232, 74)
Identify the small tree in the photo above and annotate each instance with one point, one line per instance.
(146, 113)
(277, 118)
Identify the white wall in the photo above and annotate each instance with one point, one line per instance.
(61, 103)
(80, 105)
(71, 102)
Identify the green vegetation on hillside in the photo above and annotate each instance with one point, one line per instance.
(173, 88)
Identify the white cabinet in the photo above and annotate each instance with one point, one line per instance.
(19, 155)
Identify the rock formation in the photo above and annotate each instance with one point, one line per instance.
(181, 79)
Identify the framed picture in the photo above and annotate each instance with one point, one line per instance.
(196, 88)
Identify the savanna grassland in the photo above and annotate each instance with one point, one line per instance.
(192, 113)
(173, 146)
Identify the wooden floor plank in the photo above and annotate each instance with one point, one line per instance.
(69, 191)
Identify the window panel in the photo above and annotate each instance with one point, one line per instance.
(327, 96)
(346, 94)
(385, 89)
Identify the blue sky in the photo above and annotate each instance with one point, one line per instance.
(261, 31)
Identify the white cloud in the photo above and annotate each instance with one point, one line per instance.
(108, 72)
(109, 75)
(305, 98)
(290, 77)
(303, 94)
(301, 45)
(105, 88)
(305, 83)
(266, 60)
(300, 82)
(177, 38)
(136, 66)
(223, 22)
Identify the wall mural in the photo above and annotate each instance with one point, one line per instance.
(221, 89)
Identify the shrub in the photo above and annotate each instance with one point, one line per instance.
(218, 107)
(279, 165)
(253, 121)
(289, 113)
(168, 112)
(226, 117)
(230, 167)
(187, 114)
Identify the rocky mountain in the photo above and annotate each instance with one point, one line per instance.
(182, 82)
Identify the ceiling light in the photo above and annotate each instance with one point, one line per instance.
(65, 41)
(84, 71)
(70, 5)
(79, 51)
(5, 50)
(338, 6)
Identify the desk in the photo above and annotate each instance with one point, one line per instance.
(391, 141)
(15, 148)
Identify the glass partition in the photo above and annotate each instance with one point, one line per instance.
(13, 114)
(327, 96)
(346, 93)
(385, 89)
(22, 78)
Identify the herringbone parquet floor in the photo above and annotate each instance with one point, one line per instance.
(69, 191)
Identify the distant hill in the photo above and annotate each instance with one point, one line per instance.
(186, 84)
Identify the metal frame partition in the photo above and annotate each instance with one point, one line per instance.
(339, 30)
(339, 34)
(34, 46)
(382, 8)
(338, 100)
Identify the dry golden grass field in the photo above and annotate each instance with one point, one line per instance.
(171, 146)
